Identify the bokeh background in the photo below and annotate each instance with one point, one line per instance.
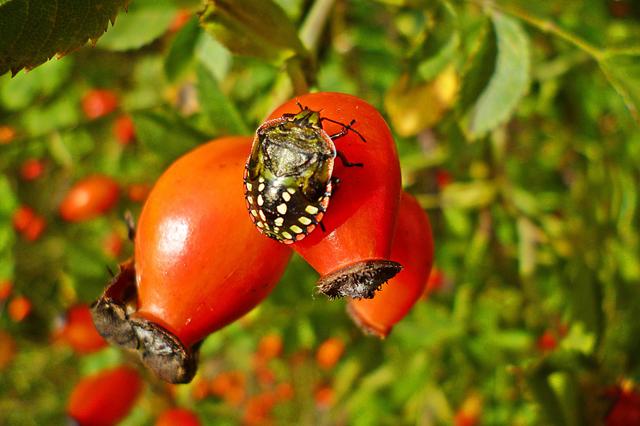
(516, 124)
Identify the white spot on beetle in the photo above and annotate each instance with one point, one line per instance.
(262, 216)
(311, 209)
(254, 213)
(249, 186)
(279, 221)
(286, 196)
(287, 235)
(260, 200)
(296, 229)
(291, 190)
(250, 199)
(261, 187)
(282, 208)
(304, 220)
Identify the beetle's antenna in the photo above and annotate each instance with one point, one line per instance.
(346, 128)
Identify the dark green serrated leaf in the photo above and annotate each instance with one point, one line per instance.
(510, 79)
(623, 71)
(33, 31)
(479, 69)
(220, 111)
(182, 49)
(145, 21)
(166, 133)
(257, 28)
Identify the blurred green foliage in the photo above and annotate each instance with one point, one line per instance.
(517, 128)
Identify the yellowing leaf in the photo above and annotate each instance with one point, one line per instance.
(414, 108)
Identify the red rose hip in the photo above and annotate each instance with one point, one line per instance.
(199, 264)
(88, 198)
(352, 252)
(413, 248)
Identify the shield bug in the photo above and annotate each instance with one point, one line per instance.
(289, 175)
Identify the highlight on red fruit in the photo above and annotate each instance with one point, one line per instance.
(178, 417)
(32, 169)
(352, 255)
(413, 248)
(19, 308)
(88, 198)
(97, 103)
(124, 130)
(329, 352)
(79, 332)
(105, 398)
(199, 263)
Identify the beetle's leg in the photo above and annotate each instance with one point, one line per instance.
(346, 162)
(345, 129)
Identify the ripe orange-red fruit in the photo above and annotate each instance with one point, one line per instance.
(323, 396)
(32, 169)
(112, 244)
(124, 130)
(230, 386)
(259, 408)
(97, 103)
(330, 352)
(19, 308)
(104, 398)
(270, 346)
(138, 192)
(88, 198)
(6, 287)
(199, 262)
(413, 248)
(7, 134)
(79, 332)
(35, 228)
(547, 341)
(625, 410)
(22, 217)
(352, 256)
(178, 417)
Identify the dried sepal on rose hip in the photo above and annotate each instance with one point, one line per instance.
(323, 176)
(199, 264)
(413, 248)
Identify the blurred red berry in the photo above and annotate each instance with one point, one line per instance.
(19, 308)
(180, 19)
(79, 332)
(258, 409)
(22, 217)
(88, 198)
(547, 341)
(284, 391)
(434, 282)
(200, 389)
(32, 169)
(443, 178)
(7, 134)
(178, 417)
(105, 398)
(323, 396)
(625, 410)
(124, 130)
(229, 386)
(113, 244)
(270, 346)
(469, 413)
(329, 353)
(35, 228)
(138, 192)
(97, 103)
(5, 289)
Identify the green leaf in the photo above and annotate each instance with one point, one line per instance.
(510, 79)
(22, 90)
(623, 71)
(220, 111)
(145, 21)
(182, 49)
(166, 133)
(442, 44)
(214, 56)
(33, 31)
(257, 28)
